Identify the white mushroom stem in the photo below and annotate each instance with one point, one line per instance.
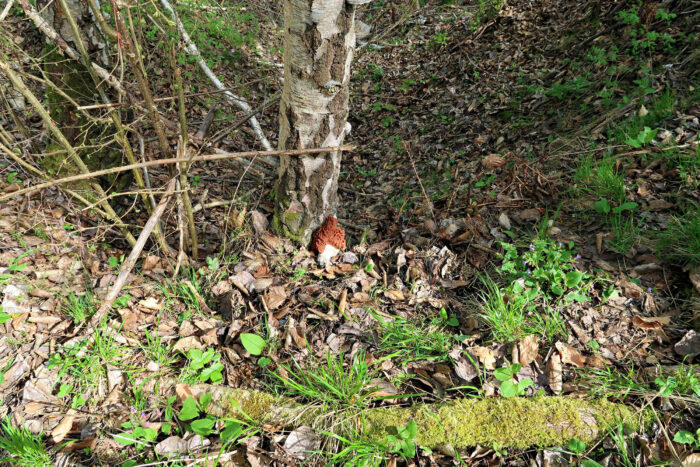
(328, 252)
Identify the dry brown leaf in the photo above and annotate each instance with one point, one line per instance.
(378, 247)
(630, 289)
(342, 303)
(659, 205)
(383, 388)
(260, 222)
(394, 294)
(183, 391)
(466, 370)
(87, 443)
(62, 429)
(302, 442)
(596, 361)
(486, 356)
(150, 263)
(693, 460)
(554, 373)
(492, 162)
(528, 349)
(187, 343)
(151, 303)
(113, 397)
(275, 296)
(652, 322)
(569, 355)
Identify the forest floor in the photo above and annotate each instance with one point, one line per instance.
(523, 220)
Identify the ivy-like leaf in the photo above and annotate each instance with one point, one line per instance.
(190, 409)
(203, 426)
(573, 278)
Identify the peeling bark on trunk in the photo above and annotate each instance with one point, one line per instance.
(318, 51)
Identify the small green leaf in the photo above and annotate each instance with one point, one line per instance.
(590, 463)
(411, 430)
(189, 409)
(125, 439)
(149, 434)
(628, 206)
(576, 446)
(263, 362)
(503, 374)
(509, 389)
(205, 399)
(633, 142)
(113, 262)
(64, 390)
(602, 206)
(203, 426)
(253, 344)
(573, 278)
(557, 289)
(232, 431)
(684, 437)
(524, 384)
(4, 317)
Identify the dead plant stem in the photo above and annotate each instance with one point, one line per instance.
(207, 158)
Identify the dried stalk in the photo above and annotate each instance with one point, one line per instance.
(130, 262)
(134, 57)
(15, 118)
(207, 158)
(192, 49)
(56, 38)
(65, 48)
(181, 230)
(184, 166)
(48, 121)
(106, 29)
(114, 115)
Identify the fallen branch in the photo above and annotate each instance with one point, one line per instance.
(6, 10)
(518, 422)
(130, 262)
(208, 158)
(192, 49)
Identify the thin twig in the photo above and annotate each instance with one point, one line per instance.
(207, 158)
(114, 115)
(185, 166)
(130, 262)
(407, 146)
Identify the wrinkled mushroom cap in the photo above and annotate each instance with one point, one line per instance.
(328, 234)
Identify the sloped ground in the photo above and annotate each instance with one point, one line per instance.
(502, 212)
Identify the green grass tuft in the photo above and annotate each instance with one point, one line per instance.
(680, 242)
(23, 447)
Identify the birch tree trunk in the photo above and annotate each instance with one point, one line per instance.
(318, 50)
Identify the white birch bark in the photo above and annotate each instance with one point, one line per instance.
(318, 50)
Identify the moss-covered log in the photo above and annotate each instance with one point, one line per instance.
(513, 423)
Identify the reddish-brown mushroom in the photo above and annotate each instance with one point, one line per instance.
(329, 234)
